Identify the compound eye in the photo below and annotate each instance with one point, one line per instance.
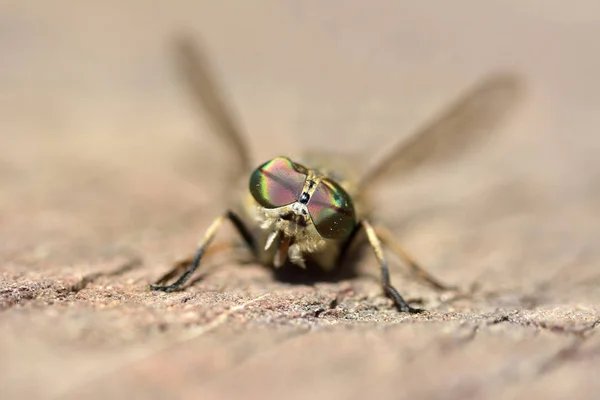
(332, 211)
(277, 183)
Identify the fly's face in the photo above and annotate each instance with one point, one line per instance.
(301, 209)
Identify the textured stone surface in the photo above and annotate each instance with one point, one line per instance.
(108, 176)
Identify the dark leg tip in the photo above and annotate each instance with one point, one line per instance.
(399, 302)
(167, 289)
(405, 308)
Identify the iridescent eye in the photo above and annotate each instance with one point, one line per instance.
(332, 211)
(277, 183)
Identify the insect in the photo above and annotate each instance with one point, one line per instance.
(303, 212)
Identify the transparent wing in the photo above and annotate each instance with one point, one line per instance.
(196, 73)
(466, 122)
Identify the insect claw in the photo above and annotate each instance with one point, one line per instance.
(167, 289)
(418, 311)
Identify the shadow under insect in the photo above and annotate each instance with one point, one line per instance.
(345, 269)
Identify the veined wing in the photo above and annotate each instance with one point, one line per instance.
(466, 122)
(196, 72)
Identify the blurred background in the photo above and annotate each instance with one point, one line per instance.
(102, 154)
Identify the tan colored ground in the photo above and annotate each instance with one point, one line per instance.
(103, 162)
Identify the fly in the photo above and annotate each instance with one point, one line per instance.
(309, 212)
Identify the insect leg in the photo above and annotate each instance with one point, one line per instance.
(347, 246)
(206, 241)
(388, 289)
(181, 265)
(388, 239)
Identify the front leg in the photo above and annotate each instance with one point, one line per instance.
(389, 290)
(181, 265)
(206, 241)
